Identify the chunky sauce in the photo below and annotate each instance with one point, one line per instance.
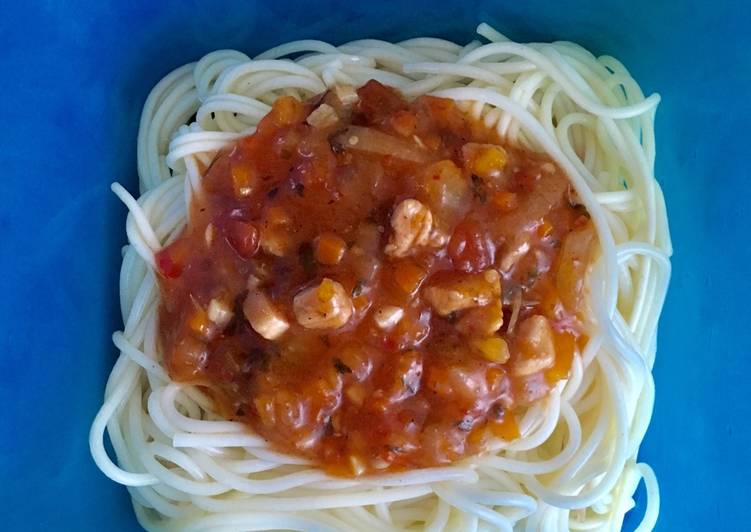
(374, 284)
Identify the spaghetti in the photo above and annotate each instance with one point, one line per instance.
(574, 466)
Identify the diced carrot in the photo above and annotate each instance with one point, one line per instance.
(361, 303)
(505, 201)
(242, 180)
(199, 323)
(505, 427)
(494, 374)
(408, 276)
(582, 341)
(565, 345)
(544, 229)
(477, 436)
(404, 123)
(287, 110)
(431, 141)
(329, 249)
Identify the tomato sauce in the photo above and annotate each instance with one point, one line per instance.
(376, 284)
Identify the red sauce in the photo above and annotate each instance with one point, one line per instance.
(298, 207)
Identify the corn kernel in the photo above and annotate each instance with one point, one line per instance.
(494, 349)
(488, 161)
(326, 290)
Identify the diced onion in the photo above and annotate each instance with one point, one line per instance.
(371, 140)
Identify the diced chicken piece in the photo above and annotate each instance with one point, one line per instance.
(482, 321)
(322, 117)
(346, 94)
(326, 306)
(412, 223)
(388, 316)
(466, 291)
(275, 239)
(219, 313)
(575, 257)
(263, 316)
(535, 348)
(513, 253)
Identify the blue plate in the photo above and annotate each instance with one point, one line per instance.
(74, 77)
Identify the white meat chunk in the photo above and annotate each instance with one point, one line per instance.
(323, 116)
(466, 291)
(388, 316)
(325, 306)
(412, 224)
(346, 95)
(219, 313)
(535, 348)
(263, 316)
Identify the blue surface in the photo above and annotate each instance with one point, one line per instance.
(74, 77)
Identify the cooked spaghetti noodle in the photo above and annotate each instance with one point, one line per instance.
(574, 466)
